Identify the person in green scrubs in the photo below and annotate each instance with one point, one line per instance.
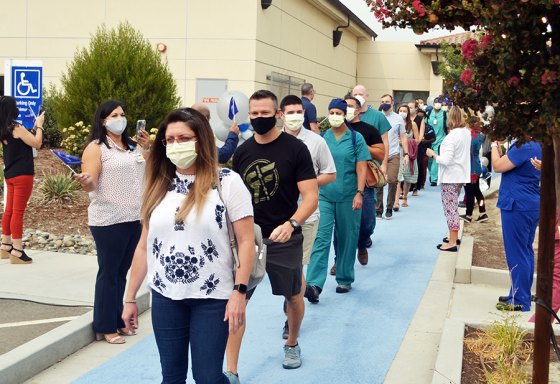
(340, 204)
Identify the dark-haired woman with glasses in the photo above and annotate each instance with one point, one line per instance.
(112, 173)
(185, 253)
(17, 144)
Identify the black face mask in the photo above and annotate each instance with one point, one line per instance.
(262, 125)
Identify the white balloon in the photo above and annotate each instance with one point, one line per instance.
(242, 103)
(430, 100)
(484, 161)
(246, 135)
(220, 129)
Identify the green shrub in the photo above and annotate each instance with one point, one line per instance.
(75, 138)
(58, 188)
(118, 64)
(52, 136)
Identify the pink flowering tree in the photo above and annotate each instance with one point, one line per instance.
(514, 64)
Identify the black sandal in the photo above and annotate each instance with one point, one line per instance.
(446, 240)
(23, 259)
(5, 253)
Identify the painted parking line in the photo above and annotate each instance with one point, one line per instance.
(35, 322)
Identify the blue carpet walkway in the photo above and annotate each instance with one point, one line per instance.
(349, 338)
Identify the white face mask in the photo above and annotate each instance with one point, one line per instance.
(412, 111)
(116, 126)
(403, 115)
(437, 106)
(361, 99)
(336, 120)
(293, 121)
(183, 155)
(444, 108)
(350, 113)
(423, 107)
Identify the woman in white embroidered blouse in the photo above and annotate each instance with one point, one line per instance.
(454, 162)
(184, 250)
(112, 173)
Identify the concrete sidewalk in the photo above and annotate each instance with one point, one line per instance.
(389, 329)
(56, 279)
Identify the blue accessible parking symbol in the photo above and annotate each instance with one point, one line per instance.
(27, 83)
(27, 89)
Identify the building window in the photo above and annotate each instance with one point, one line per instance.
(402, 97)
(283, 85)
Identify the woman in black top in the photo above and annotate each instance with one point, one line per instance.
(17, 144)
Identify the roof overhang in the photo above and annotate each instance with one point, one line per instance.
(341, 13)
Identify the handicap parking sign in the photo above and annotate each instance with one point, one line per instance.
(27, 89)
(27, 83)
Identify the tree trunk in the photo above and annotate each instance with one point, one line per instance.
(545, 266)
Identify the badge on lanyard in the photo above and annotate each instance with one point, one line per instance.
(435, 121)
(138, 157)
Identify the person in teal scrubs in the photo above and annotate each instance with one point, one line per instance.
(437, 119)
(340, 204)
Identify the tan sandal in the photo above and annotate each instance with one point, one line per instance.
(126, 332)
(5, 253)
(110, 338)
(21, 259)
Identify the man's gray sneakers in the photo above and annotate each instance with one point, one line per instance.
(292, 357)
(233, 378)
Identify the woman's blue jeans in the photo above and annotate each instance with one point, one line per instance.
(198, 323)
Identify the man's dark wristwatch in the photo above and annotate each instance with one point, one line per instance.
(294, 224)
(241, 288)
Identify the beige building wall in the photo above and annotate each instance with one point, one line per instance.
(201, 43)
(385, 67)
(294, 39)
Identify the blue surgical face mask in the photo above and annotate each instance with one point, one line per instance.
(385, 107)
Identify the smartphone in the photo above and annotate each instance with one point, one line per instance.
(41, 109)
(140, 126)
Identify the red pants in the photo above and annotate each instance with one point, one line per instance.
(18, 192)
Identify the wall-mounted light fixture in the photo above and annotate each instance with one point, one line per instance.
(266, 3)
(435, 64)
(337, 35)
(161, 47)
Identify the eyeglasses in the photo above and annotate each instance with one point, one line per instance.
(181, 139)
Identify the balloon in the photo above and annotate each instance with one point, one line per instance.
(220, 129)
(484, 161)
(246, 135)
(430, 100)
(233, 103)
(243, 127)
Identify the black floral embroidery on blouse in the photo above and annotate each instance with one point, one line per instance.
(210, 284)
(158, 283)
(220, 215)
(181, 268)
(210, 250)
(180, 186)
(179, 225)
(156, 248)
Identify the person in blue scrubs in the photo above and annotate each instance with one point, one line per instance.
(518, 200)
(340, 204)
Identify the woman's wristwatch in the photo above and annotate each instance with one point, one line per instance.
(360, 192)
(241, 288)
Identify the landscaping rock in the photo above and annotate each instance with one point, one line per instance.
(41, 240)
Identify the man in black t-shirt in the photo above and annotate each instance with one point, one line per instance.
(377, 151)
(277, 168)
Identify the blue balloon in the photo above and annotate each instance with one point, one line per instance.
(243, 127)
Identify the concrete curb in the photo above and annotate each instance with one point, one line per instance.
(463, 271)
(449, 363)
(33, 357)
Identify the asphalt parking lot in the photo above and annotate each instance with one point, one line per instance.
(22, 321)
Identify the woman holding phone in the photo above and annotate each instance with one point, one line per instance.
(113, 174)
(17, 145)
